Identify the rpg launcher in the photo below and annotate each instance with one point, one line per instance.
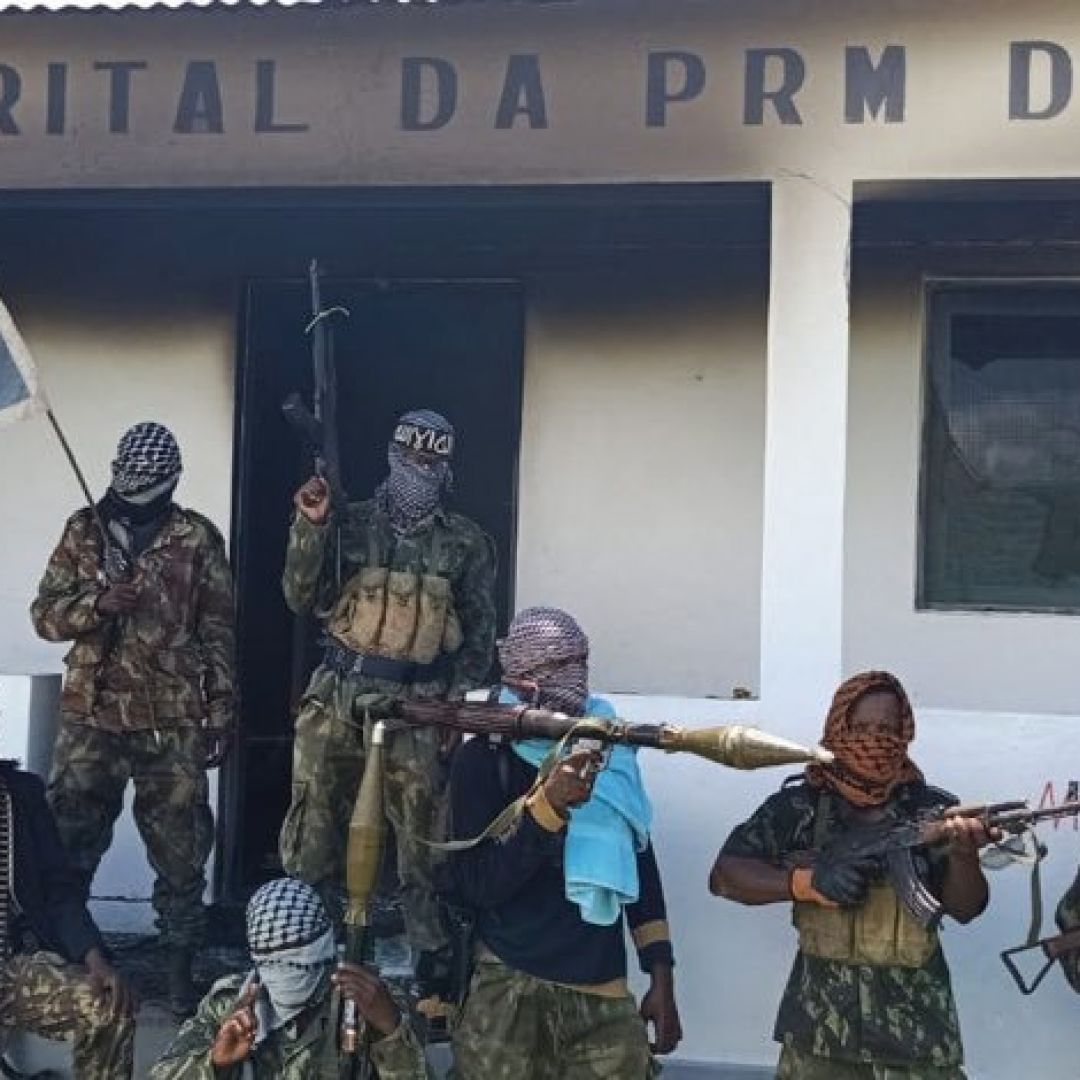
(895, 843)
(738, 747)
(367, 832)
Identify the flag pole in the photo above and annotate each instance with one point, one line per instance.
(79, 476)
(70, 455)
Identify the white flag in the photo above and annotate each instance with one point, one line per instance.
(20, 391)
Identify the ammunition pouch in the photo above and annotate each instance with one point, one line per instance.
(880, 932)
(396, 614)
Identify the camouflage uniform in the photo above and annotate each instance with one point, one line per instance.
(841, 1019)
(1068, 919)
(286, 1054)
(328, 757)
(40, 993)
(139, 694)
(509, 1013)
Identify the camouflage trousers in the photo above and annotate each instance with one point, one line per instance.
(41, 994)
(91, 769)
(328, 763)
(515, 1027)
(800, 1065)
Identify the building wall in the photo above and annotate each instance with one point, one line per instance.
(956, 660)
(641, 473)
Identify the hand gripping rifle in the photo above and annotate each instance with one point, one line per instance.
(738, 747)
(367, 831)
(895, 843)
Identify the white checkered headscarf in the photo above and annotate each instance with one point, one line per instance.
(147, 457)
(545, 654)
(283, 915)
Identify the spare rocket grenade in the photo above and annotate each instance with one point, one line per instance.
(737, 746)
(367, 830)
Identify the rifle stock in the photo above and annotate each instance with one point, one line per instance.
(1053, 949)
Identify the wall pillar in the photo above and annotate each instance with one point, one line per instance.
(805, 452)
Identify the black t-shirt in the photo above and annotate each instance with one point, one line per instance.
(517, 888)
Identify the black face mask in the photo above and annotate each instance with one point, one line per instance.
(115, 507)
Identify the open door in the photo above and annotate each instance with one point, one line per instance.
(453, 347)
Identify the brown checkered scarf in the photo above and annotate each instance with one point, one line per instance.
(869, 765)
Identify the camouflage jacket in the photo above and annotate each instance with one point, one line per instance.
(859, 1013)
(286, 1054)
(1068, 919)
(466, 557)
(169, 663)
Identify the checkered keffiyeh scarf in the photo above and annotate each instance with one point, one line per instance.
(869, 766)
(147, 459)
(283, 915)
(413, 490)
(546, 654)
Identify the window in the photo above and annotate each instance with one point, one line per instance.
(1000, 524)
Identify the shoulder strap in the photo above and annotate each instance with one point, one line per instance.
(822, 813)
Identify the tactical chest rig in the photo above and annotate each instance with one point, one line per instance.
(880, 932)
(396, 624)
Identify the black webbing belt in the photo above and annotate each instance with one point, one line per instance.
(353, 664)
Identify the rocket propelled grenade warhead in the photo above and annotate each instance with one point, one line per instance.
(740, 747)
(367, 830)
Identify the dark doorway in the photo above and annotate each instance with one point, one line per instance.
(453, 347)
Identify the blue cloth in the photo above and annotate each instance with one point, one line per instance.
(605, 835)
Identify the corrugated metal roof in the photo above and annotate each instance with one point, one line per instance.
(145, 5)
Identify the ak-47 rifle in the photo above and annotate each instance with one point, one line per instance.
(738, 747)
(318, 430)
(895, 843)
(318, 426)
(367, 831)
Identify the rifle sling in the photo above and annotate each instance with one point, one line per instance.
(503, 823)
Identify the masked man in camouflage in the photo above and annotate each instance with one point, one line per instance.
(869, 997)
(549, 998)
(405, 591)
(55, 979)
(148, 694)
(277, 1022)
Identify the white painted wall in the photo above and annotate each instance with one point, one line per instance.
(962, 660)
(641, 473)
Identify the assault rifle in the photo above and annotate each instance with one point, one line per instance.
(738, 747)
(895, 843)
(318, 426)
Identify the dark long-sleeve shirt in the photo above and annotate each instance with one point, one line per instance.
(47, 891)
(517, 887)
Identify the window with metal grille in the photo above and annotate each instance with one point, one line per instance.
(1000, 500)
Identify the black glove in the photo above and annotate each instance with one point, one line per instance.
(842, 877)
